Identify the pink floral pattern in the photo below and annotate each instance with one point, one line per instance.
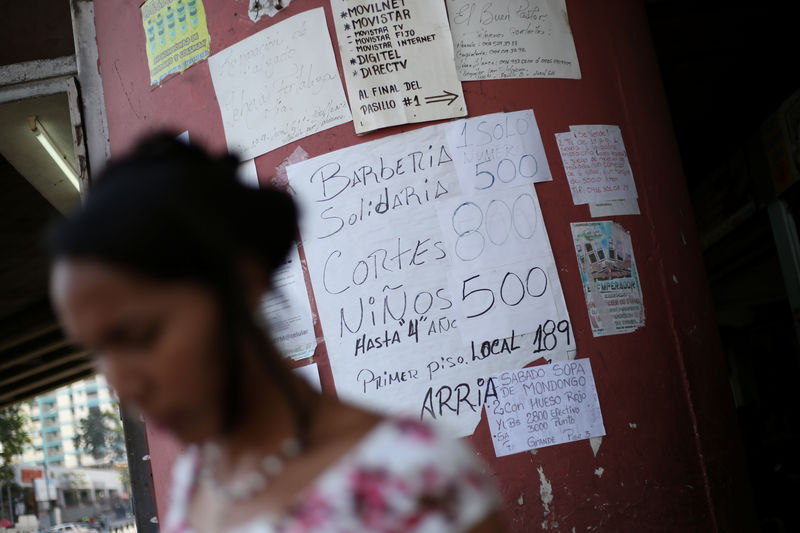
(403, 477)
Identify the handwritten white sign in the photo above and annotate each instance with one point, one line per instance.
(596, 164)
(497, 151)
(500, 257)
(398, 62)
(279, 85)
(544, 405)
(512, 39)
(381, 231)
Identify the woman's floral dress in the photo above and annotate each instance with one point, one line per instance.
(403, 476)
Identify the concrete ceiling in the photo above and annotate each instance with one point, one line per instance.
(34, 356)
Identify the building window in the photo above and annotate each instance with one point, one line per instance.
(71, 497)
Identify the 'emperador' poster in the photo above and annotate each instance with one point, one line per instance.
(609, 276)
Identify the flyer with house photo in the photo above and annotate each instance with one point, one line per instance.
(609, 276)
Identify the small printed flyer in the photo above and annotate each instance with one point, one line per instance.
(177, 36)
(610, 279)
(288, 311)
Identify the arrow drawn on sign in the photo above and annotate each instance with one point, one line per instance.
(442, 98)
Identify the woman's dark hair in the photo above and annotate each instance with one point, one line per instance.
(173, 212)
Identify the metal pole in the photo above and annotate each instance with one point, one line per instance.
(10, 504)
(50, 511)
(51, 515)
(144, 504)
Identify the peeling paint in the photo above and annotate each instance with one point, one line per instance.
(521, 499)
(683, 239)
(632, 425)
(599, 471)
(595, 443)
(675, 279)
(545, 491)
(534, 451)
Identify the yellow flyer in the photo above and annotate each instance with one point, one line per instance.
(177, 36)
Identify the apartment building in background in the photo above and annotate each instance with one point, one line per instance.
(54, 421)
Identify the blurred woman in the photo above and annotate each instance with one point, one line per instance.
(161, 274)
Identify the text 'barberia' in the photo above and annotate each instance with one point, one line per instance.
(334, 180)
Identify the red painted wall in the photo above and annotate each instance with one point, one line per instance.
(672, 459)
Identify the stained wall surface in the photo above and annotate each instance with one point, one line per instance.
(671, 460)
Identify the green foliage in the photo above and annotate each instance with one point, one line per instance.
(125, 479)
(13, 438)
(100, 434)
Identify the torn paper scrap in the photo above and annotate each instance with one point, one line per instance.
(279, 85)
(281, 179)
(542, 406)
(247, 175)
(310, 373)
(596, 164)
(495, 40)
(398, 62)
(611, 208)
(609, 276)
